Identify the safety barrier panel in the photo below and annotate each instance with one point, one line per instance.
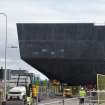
(96, 97)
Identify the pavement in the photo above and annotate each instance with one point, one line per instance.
(69, 101)
(14, 103)
(54, 101)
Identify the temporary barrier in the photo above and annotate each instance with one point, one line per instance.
(96, 97)
(101, 88)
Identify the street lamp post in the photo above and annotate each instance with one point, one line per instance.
(5, 72)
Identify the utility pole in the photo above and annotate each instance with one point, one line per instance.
(5, 72)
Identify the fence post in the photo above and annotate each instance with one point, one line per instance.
(0, 98)
(37, 98)
(89, 97)
(63, 101)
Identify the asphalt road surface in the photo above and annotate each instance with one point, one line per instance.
(48, 102)
(70, 101)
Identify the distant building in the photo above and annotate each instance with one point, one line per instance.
(13, 76)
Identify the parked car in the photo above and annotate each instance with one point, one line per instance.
(17, 93)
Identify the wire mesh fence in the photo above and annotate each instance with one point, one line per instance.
(101, 88)
(56, 91)
(95, 97)
(49, 92)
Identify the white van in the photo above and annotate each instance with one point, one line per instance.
(17, 93)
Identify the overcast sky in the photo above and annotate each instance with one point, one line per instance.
(37, 11)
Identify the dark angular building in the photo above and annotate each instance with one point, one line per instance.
(70, 52)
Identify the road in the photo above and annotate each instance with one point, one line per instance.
(72, 101)
(14, 103)
(56, 101)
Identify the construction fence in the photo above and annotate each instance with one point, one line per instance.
(95, 97)
(101, 88)
(45, 92)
